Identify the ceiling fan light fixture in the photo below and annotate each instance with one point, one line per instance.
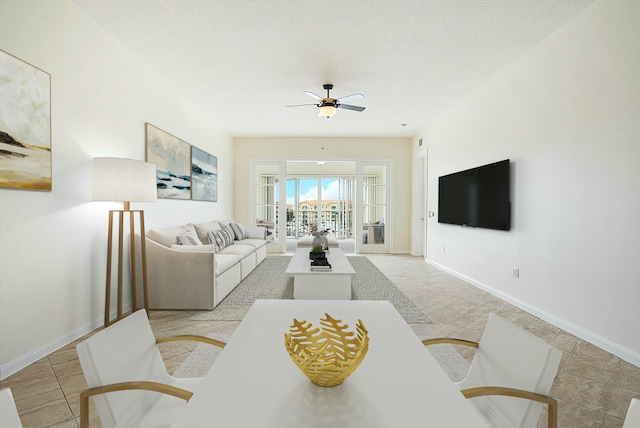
(328, 106)
(327, 111)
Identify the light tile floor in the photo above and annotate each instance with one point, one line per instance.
(593, 387)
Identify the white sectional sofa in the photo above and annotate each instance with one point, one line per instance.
(186, 271)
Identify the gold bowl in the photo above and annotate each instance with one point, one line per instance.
(326, 355)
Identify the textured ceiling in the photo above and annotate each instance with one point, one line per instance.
(243, 61)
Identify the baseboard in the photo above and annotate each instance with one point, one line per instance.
(403, 252)
(31, 357)
(599, 341)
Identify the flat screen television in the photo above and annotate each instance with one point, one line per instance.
(477, 197)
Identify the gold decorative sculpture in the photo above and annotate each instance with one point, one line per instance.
(328, 356)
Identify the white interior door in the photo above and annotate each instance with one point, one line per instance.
(373, 208)
(419, 210)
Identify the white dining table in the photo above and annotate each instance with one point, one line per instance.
(254, 383)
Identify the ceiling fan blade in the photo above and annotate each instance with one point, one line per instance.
(302, 105)
(312, 95)
(350, 107)
(350, 98)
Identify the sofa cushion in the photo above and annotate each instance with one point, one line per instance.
(167, 236)
(256, 232)
(224, 262)
(187, 248)
(220, 238)
(189, 238)
(238, 230)
(239, 250)
(225, 223)
(203, 228)
(255, 243)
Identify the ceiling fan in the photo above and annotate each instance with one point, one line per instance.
(328, 105)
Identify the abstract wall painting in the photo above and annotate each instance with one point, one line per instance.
(204, 176)
(25, 125)
(172, 158)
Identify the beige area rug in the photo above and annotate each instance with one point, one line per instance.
(268, 281)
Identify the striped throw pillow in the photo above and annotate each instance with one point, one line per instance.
(239, 231)
(220, 238)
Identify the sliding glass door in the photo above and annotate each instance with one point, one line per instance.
(320, 204)
(352, 204)
(338, 211)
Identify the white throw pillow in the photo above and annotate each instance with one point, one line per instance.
(167, 235)
(188, 238)
(203, 228)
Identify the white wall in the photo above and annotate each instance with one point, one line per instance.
(567, 114)
(53, 244)
(397, 149)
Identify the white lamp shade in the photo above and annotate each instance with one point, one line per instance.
(327, 111)
(124, 180)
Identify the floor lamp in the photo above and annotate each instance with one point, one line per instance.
(124, 180)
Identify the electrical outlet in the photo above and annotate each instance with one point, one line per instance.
(516, 273)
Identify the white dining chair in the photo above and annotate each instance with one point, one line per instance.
(632, 420)
(510, 376)
(127, 378)
(9, 417)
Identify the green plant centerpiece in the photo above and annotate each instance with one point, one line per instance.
(316, 251)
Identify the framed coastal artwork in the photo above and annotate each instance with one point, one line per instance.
(25, 125)
(204, 176)
(172, 158)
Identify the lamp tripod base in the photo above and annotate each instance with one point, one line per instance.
(132, 260)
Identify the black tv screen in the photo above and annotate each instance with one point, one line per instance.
(477, 197)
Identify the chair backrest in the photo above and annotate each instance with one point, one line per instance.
(632, 420)
(124, 351)
(9, 417)
(511, 357)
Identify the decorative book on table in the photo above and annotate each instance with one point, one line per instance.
(320, 264)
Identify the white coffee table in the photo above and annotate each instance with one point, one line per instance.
(327, 285)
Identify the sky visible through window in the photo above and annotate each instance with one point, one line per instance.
(309, 189)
